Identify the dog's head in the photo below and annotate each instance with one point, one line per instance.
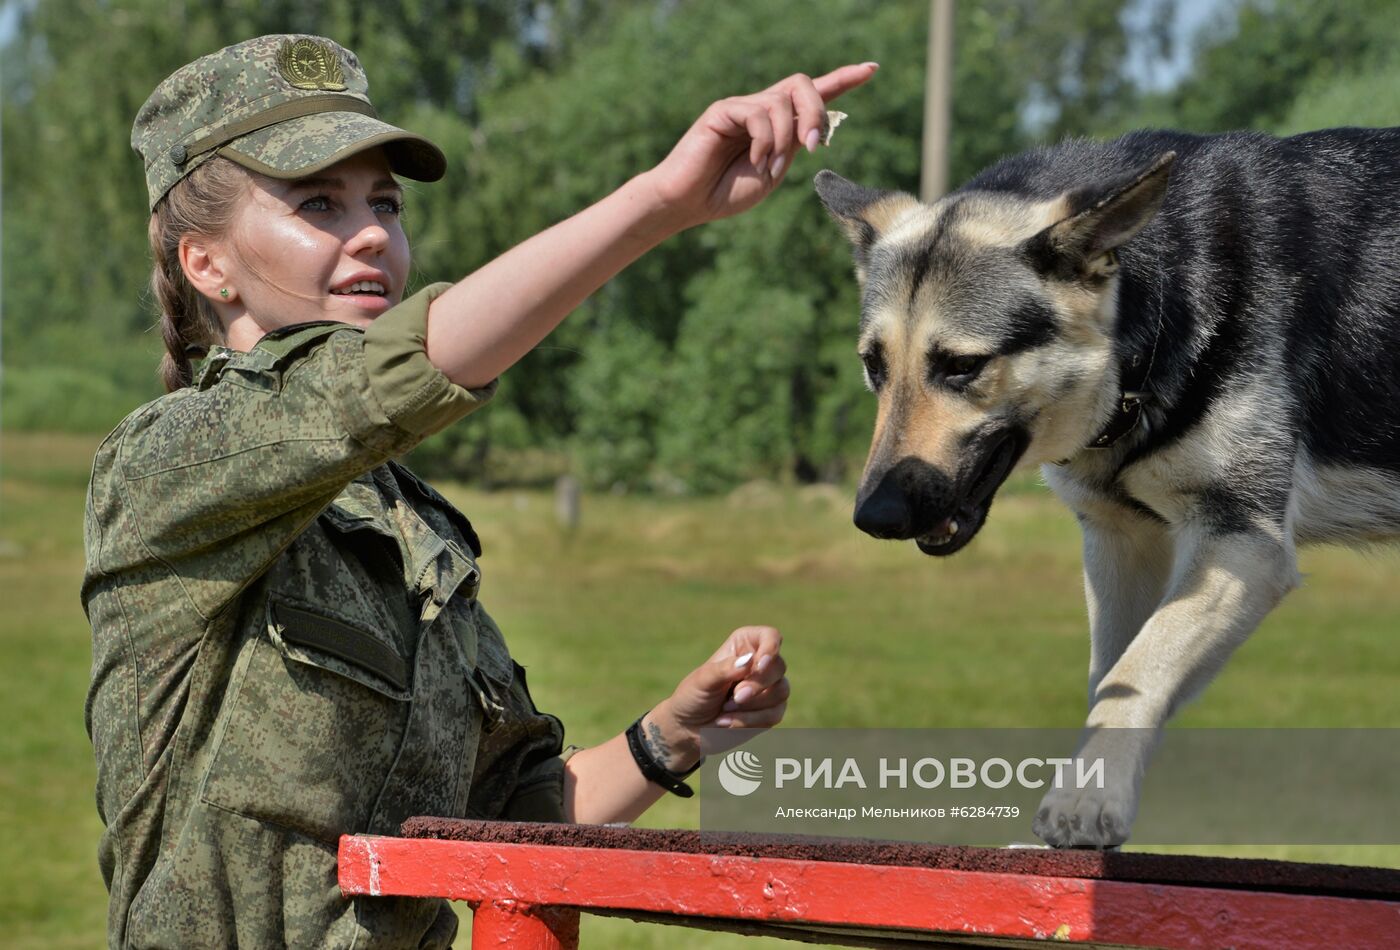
(987, 335)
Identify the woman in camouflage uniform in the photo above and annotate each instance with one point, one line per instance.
(287, 641)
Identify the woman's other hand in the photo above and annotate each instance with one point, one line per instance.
(739, 149)
(743, 685)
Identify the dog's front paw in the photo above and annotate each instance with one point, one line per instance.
(1084, 818)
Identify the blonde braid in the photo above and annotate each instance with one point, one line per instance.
(201, 203)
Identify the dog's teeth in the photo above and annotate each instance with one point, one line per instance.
(941, 533)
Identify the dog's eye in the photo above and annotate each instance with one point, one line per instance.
(956, 371)
(966, 365)
(874, 361)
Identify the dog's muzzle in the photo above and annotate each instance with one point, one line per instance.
(895, 508)
(913, 499)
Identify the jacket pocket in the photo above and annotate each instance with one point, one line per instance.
(313, 724)
(311, 637)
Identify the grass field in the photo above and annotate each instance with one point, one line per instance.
(876, 636)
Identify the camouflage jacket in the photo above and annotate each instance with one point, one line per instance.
(288, 646)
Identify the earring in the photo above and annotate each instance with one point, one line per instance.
(223, 292)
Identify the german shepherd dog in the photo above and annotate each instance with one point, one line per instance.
(1198, 339)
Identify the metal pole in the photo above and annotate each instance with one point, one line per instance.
(938, 99)
(2, 280)
(508, 923)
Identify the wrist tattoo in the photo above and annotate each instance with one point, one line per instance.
(657, 746)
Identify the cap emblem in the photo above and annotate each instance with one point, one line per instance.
(307, 64)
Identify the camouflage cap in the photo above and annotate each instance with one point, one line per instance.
(285, 106)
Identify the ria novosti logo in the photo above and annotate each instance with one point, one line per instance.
(740, 773)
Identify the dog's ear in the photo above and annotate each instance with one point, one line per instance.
(1103, 219)
(864, 213)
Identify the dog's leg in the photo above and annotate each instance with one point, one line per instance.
(1222, 585)
(1127, 566)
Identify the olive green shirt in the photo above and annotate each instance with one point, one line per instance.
(288, 646)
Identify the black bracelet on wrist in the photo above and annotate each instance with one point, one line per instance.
(654, 771)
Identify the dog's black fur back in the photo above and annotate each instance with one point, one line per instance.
(1288, 248)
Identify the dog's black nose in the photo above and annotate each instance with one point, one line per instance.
(909, 497)
(884, 513)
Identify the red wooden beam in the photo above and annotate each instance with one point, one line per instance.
(929, 900)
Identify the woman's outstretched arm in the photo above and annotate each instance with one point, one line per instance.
(734, 155)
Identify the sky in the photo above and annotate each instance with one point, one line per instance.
(9, 17)
(1191, 16)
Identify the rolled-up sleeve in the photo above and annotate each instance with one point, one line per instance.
(413, 393)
